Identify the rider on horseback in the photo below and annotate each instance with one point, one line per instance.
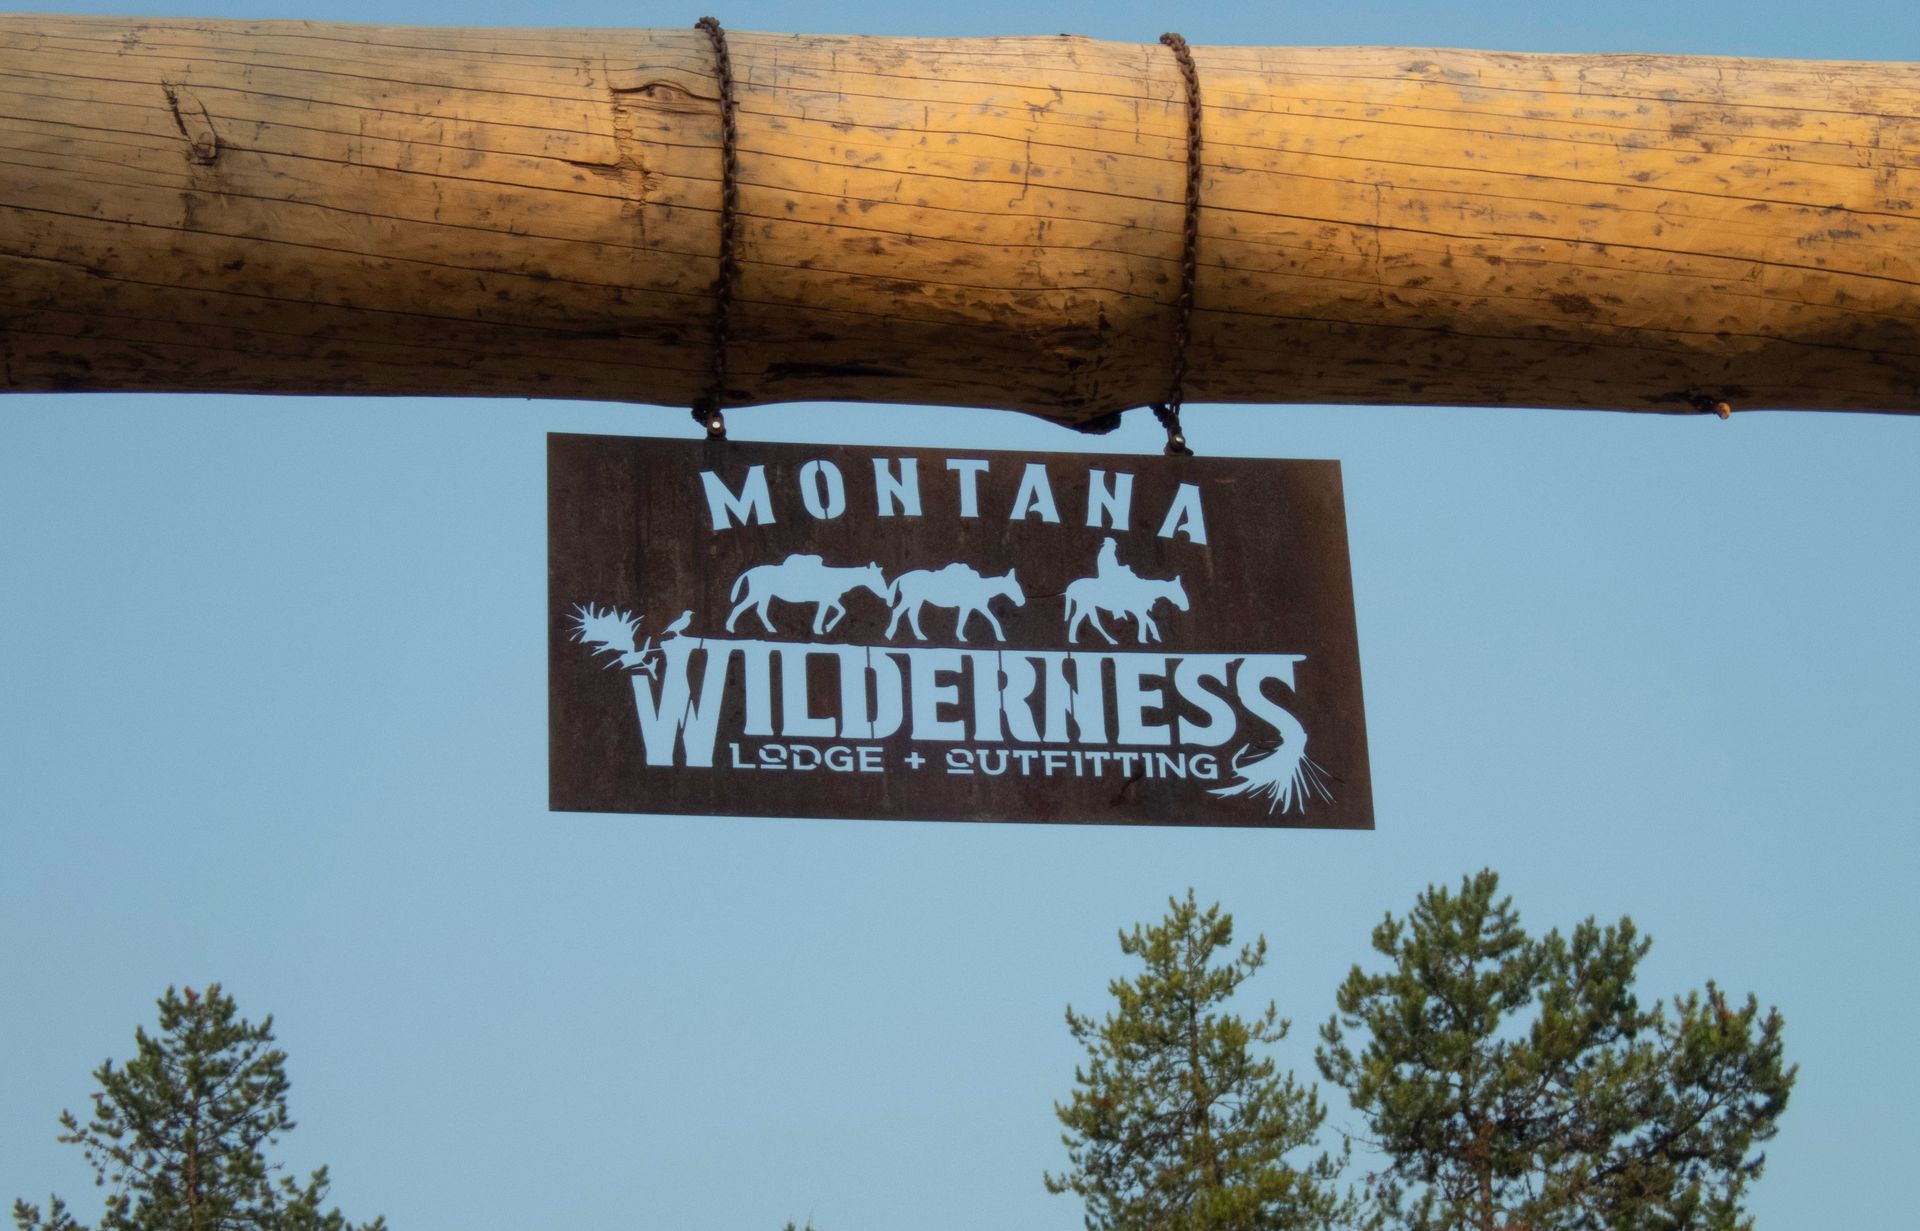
(1108, 566)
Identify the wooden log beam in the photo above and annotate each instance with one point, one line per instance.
(308, 208)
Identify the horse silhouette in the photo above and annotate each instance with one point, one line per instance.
(956, 585)
(805, 579)
(1117, 590)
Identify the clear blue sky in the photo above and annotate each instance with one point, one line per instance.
(272, 712)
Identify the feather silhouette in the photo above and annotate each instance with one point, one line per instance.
(1284, 777)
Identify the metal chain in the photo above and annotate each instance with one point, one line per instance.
(706, 410)
(1168, 412)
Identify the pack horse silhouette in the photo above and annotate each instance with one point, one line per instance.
(956, 585)
(802, 578)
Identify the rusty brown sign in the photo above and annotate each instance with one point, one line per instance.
(744, 629)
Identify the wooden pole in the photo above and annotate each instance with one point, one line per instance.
(308, 208)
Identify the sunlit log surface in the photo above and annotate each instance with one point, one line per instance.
(299, 207)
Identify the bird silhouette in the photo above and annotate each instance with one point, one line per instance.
(678, 626)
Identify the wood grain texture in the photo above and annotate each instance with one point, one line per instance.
(299, 207)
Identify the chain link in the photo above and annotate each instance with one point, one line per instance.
(707, 409)
(1168, 411)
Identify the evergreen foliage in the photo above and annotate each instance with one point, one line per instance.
(180, 1132)
(1517, 1084)
(1176, 1124)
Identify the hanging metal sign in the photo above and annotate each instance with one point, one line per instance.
(797, 630)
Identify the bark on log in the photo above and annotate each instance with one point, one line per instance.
(296, 207)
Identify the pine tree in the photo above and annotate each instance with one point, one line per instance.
(1176, 1123)
(180, 1132)
(1516, 1084)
